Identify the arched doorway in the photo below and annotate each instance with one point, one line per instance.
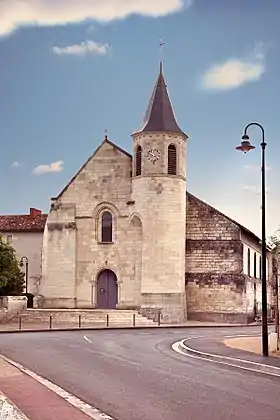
(107, 290)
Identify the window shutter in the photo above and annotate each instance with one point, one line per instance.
(138, 164)
(172, 160)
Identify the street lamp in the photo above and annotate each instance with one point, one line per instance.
(245, 147)
(25, 259)
(277, 299)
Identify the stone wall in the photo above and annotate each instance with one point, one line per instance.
(217, 288)
(10, 306)
(255, 248)
(160, 200)
(59, 257)
(74, 258)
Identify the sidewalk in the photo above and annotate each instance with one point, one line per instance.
(217, 346)
(34, 400)
(248, 344)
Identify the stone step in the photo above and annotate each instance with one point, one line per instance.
(87, 317)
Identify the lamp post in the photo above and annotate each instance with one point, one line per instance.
(245, 147)
(277, 299)
(26, 271)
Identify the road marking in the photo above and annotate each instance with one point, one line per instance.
(194, 338)
(87, 339)
(176, 347)
(86, 408)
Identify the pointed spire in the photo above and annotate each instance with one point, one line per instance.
(160, 115)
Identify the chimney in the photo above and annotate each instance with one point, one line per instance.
(34, 212)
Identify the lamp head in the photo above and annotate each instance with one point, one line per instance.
(245, 145)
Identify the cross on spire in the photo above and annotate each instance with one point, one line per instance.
(161, 45)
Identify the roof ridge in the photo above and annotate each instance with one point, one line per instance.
(249, 232)
(106, 140)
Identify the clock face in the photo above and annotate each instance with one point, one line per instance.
(153, 155)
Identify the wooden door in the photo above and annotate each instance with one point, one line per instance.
(107, 290)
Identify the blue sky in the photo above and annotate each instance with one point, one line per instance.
(69, 72)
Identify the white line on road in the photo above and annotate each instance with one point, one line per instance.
(92, 412)
(194, 338)
(87, 339)
(176, 347)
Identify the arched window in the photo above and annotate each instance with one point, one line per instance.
(255, 265)
(138, 161)
(248, 262)
(172, 160)
(106, 227)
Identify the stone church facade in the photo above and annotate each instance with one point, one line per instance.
(125, 234)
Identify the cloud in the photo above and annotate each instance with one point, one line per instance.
(254, 189)
(15, 164)
(257, 167)
(86, 47)
(235, 72)
(52, 167)
(21, 13)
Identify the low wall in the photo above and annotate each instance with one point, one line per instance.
(10, 306)
(216, 297)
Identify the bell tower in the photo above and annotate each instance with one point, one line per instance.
(159, 192)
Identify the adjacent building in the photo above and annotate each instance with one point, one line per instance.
(25, 233)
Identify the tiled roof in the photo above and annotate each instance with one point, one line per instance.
(23, 223)
(243, 228)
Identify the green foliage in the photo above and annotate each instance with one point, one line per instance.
(274, 242)
(11, 278)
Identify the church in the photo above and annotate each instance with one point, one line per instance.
(125, 234)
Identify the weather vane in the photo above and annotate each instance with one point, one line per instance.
(161, 45)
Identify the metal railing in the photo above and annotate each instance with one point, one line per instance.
(25, 322)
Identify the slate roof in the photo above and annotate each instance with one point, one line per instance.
(160, 114)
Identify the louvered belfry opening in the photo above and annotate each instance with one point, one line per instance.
(138, 163)
(172, 160)
(107, 227)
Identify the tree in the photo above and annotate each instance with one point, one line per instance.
(11, 278)
(274, 243)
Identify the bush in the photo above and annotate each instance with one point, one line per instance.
(11, 278)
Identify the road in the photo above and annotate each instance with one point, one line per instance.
(135, 375)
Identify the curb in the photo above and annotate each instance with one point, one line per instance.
(140, 327)
(76, 402)
(229, 361)
(8, 410)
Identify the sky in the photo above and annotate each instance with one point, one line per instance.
(71, 70)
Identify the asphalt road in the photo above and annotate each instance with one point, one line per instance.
(135, 375)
